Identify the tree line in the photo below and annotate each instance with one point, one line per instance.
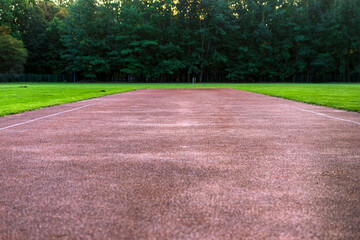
(176, 41)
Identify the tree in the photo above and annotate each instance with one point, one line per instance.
(211, 40)
(85, 39)
(13, 14)
(33, 34)
(12, 52)
(55, 47)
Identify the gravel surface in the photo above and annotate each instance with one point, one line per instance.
(180, 164)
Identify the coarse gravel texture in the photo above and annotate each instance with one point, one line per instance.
(181, 164)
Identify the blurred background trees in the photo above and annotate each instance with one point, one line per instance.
(165, 40)
(12, 52)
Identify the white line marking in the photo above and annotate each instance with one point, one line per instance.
(36, 119)
(322, 114)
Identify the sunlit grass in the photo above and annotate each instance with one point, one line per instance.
(15, 99)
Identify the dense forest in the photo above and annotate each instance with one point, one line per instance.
(176, 41)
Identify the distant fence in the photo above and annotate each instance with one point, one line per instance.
(8, 77)
(76, 77)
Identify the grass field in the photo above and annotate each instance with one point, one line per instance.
(14, 98)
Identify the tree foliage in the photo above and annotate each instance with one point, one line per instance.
(210, 40)
(12, 52)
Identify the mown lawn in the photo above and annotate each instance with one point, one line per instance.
(14, 98)
(341, 96)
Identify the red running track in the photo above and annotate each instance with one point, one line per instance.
(184, 164)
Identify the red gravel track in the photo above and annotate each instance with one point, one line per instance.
(165, 164)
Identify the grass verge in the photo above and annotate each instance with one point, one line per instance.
(15, 98)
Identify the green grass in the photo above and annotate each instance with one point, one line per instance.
(14, 99)
(341, 96)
